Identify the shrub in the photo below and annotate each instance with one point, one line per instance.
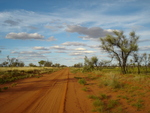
(98, 103)
(85, 89)
(5, 88)
(99, 106)
(82, 81)
(138, 104)
(13, 84)
(92, 97)
(112, 103)
(103, 96)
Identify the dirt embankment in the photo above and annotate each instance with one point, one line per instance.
(53, 93)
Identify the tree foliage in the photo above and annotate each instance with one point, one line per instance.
(89, 63)
(45, 63)
(120, 47)
(12, 62)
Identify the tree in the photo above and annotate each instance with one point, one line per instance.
(48, 64)
(89, 63)
(138, 59)
(120, 47)
(32, 65)
(42, 62)
(56, 65)
(13, 62)
(78, 65)
(146, 60)
(94, 60)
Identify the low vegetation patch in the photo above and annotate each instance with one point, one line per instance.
(85, 89)
(9, 74)
(82, 81)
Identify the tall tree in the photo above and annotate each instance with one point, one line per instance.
(120, 47)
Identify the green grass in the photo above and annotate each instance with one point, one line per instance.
(112, 103)
(5, 88)
(85, 89)
(98, 103)
(78, 77)
(13, 84)
(82, 81)
(9, 74)
(139, 104)
(93, 97)
(103, 96)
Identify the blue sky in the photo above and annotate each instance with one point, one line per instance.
(65, 31)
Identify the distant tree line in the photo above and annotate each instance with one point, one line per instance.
(14, 62)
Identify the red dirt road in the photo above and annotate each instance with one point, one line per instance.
(58, 92)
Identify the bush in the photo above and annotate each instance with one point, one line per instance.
(82, 81)
(92, 97)
(112, 103)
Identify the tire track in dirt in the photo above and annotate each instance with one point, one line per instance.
(76, 99)
(46, 95)
(58, 92)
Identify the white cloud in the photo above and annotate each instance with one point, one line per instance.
(51, 39)
(40, 48)
(61, 51)
(24, 36)
(73, 44)
(144, 48)
(58, 47)
(78, 53)
(80, 49)
(75, 54)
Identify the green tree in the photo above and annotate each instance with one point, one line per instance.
(146, 60)
(13, 62)
(120, 47)
(32, 65)
(78, 65)
(42, 62)
(94, 60)
(89, 63)
(138, 59)
(48, 64)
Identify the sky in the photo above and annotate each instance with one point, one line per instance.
(65, 31)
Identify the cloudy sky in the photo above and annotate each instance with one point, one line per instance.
(64, 31)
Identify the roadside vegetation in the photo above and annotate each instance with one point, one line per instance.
(118, 88)
(10, 74)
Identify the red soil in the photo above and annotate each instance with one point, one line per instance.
(58, 92)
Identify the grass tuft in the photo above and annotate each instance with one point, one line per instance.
(82, 81)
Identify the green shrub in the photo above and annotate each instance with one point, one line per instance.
(78, 77)
(5, 88)
(92, 97)
(112, 103)
(103, 96)
(139, 104)
(85, 89)
(82, 81)
(98, 103)
(13, 84)
(99, 106)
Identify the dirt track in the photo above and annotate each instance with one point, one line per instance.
(58, 92)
